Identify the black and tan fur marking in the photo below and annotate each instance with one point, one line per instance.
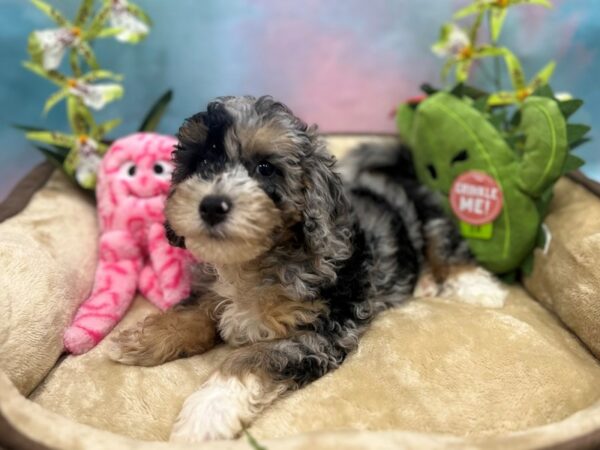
(301, 261)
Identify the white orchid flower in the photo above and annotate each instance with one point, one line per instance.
(95, 96)
(54, 44)
(454, 41)
(132, 28)
(88, 161)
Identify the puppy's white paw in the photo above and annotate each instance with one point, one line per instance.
(426, 286)
(475, 286)
(218, 410)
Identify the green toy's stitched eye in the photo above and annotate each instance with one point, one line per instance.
(432, 171)
(463, 155)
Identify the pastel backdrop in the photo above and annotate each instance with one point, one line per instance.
(344, 64)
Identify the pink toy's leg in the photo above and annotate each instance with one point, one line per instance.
(114, 288)
(149, 285)
(171, 268)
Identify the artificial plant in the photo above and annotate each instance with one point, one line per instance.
(85, 87)
(515, 142)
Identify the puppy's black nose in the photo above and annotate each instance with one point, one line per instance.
(214, 209)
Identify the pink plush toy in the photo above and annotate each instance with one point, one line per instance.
(133, 181)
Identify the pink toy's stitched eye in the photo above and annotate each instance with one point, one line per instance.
(162, 169)
(128, 170)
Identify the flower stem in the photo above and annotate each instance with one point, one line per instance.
(494, 42)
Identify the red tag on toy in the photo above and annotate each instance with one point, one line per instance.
(476, 198)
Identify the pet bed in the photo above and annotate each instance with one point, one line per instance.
(433, 373)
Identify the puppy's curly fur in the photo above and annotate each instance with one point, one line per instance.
(298, 262)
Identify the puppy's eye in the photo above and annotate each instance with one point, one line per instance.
(128, 170)
(266, 169)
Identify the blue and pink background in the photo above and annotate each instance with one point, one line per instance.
(344, 64)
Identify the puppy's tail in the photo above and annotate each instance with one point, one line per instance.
(392, 160)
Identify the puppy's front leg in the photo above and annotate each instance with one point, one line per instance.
(187, 329)
(252, 378)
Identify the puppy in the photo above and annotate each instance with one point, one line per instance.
(298, 262)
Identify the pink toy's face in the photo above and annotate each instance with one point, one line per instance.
(139, 165)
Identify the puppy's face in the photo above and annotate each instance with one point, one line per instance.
(238, 185)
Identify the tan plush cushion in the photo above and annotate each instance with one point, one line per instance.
(47, 255)
(430, 366)
(566, 279)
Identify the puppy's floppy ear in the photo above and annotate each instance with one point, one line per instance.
(174, 239)
(326, 218)
(191, 137)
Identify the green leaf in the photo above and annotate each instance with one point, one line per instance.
(481, 103)
(572, 163)
(576, 131)
(487, 51)
(84, 12)
(54, 99)
(95, 75)
(474, 8)
(542, 77)
(569, 107)
(34, 48)
(106, 127)
(50, 75)
(74, 63)
(52, 137)
(515, 70)
(108, 32)
(97, 23)
(253, 442)
(27, 127)
(80, 117)
(545, 3)
(153, 117)
(502, 98)
(88, 55)
(497, 21)
(474, 28)
(462, 70)
(51, 12)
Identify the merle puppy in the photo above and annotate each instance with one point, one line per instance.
(297, 262)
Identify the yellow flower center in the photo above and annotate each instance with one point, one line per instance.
(82, 138)
(465, 52)
(72, 82)
(522, 94)
(76, 31)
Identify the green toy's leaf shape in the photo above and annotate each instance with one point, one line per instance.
(542, 77)
(97, 23)
(469, 10)
(546, 145)
(458, 90)
(88, 55)
(509, 278)
(576, 131)
(80, 117)
(498, 119)
(54, 157)
(543, 204)
(54, 99)
(502, 98)
(404, 122)
(574, 145)
(52, 137)
(96, 75)
(516, 140)
(544, 91)
(84, 12)
(497, 21)
(545, 3)
(527, 264)
(106, 127)
(572, 163)
(515, 70)
(462, 70)
(50, 75)
(569, 107)
(253, 442)
(51, 12)
(152, 119)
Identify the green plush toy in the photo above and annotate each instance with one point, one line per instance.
(496, 182)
